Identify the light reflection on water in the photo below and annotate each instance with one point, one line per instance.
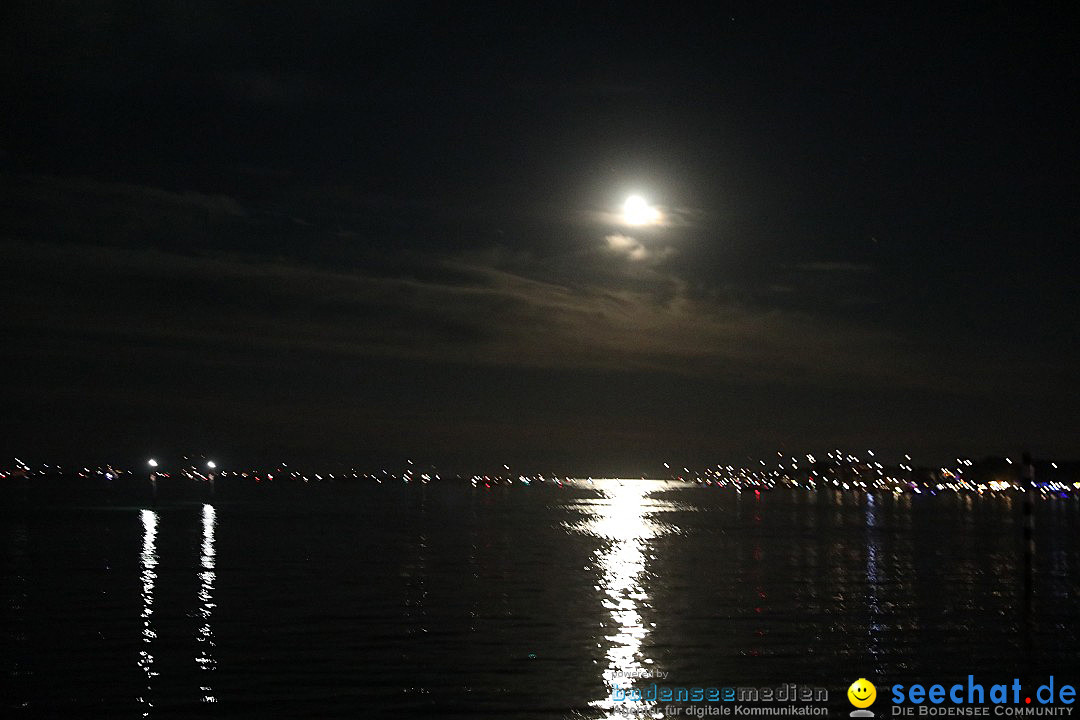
(524, 601)
(148, 561)
(873, 583)
(624, 517)
(16, 597)
(205, 636)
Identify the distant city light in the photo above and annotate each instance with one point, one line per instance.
(840, 472)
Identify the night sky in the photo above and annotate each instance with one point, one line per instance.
(369, 231)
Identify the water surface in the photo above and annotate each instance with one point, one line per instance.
(445, 600)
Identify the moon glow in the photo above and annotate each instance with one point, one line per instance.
(638, 211)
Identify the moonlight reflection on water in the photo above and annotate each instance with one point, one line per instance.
(148, 560)
(623, 518)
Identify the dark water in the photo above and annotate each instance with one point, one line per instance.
(443, 600)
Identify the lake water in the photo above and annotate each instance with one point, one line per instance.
(443, 600)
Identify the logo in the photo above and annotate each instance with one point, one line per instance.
(862, 695)
(974, 698)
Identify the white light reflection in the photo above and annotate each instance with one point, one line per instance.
(17, 598)
(873, 582)
(148, 562)
(205, 637)
(621, 516)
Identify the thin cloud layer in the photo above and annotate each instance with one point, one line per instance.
(483, 316)
(268, 287)
(627, 246)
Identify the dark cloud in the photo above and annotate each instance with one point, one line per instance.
(448, 309)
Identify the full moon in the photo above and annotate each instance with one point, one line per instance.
(638, 211)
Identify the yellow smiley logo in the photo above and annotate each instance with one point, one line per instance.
(862, 693)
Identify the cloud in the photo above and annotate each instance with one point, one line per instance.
(633, 249)
(244, 285)
(127, 193)
(628, 246)
(668, 217)
(449, 311)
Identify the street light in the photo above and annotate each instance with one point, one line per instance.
(211, 464)
(152, 463)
